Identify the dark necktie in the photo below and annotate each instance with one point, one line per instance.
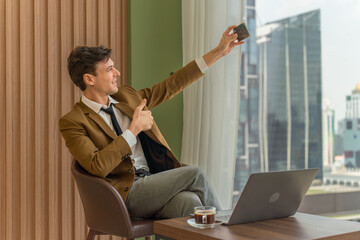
(114, 121)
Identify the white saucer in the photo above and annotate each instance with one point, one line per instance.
(192, 223)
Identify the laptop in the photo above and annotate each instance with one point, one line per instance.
(269, 195)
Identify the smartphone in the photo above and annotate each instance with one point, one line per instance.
(242, 32)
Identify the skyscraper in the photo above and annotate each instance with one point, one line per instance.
(248, 130)
(290, 95)
(328, 132)
(351, 130)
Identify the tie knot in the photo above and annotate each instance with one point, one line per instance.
(108, 110)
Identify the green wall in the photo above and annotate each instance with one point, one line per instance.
(155, 50)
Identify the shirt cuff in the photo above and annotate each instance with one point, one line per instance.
(129, 138)
(201, 64)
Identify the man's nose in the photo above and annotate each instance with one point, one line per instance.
(117, 73)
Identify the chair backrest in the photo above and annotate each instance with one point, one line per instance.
(104, 208)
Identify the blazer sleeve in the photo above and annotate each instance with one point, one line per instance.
(97, 162)
(168, 88)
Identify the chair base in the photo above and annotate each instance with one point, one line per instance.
(91, 235)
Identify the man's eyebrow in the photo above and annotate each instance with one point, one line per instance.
(108, 68)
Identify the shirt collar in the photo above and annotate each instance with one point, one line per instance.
(96, 107)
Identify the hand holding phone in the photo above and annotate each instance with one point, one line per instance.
(242, 32)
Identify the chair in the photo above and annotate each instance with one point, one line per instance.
(105, 210)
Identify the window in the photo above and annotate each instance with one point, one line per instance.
(287, 71)
(357, 154)
(250, 2)
(348, 154)
(251, 13)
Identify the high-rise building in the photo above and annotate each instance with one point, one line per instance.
(351, 129)
(339, 138)
(328, 131)
(290, 95)
(248, 130)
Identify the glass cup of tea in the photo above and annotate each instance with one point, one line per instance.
(204, 214)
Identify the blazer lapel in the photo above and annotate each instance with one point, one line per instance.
(125, 108)
(98, 119)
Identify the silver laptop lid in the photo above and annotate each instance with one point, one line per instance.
(272, 195)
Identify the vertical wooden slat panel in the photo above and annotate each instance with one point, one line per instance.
(100, 23)
(91, 23)
(121, 30)
(54, 225)
(14, 103)
(112, 24)
(39, 193)
(103, 23)
(77, 16)
(22, 111)
(2, 121)
(43, 124)
(28, 110)
(44, 118)
(38, 197)
(8, 125)
(25, 81)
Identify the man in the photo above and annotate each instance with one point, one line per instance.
(112, 134)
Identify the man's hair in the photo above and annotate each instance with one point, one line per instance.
(83, 60)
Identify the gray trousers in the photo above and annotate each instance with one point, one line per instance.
(170, 194)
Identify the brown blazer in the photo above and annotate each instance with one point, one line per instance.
(97, 148)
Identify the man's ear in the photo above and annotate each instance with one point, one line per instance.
(88, 79)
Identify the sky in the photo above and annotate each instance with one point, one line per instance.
(340, 41)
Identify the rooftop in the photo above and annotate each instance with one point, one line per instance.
(357, 88)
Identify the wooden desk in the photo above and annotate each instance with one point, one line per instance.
(299, 226)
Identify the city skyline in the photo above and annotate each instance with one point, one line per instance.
(340, 73)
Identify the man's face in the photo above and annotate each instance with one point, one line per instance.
(106, 78)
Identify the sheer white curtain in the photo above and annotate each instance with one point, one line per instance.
(211, 105)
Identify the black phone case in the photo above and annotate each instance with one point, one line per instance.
(242, 32)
